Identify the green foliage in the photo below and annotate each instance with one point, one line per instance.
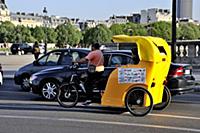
(23, 34)
(100, 34)
(117, 29)
(188, 31)
(67, 34)
(51, 35)
(160, 29)
(6, 32)
(134, 29)
(38, 33)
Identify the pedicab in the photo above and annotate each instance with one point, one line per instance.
(137, 87)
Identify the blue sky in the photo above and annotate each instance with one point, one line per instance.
(92, 9)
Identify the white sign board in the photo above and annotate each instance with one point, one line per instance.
(131, 75)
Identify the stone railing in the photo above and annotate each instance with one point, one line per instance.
(188, 52)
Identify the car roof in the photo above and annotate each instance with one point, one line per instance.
(88, 50)
(118, 51)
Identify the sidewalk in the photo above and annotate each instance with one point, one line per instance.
(12, 63)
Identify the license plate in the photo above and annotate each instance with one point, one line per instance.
(187, 71)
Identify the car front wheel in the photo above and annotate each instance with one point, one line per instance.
(49, 90)
(25, 83)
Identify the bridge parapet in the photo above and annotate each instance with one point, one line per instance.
(188, 51)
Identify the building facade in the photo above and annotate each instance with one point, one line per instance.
(4, 12)
(155, 15)
(28, 20)
(184, 9)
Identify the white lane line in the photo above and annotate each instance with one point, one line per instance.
(102, 122)
(175, 116)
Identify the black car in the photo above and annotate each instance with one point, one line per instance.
(1, 75)
(52, 59)
(46, 82)
(180, 79)
(24, 48)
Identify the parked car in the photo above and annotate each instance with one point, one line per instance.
(46, 82)
(1, 75)
(50, 60)
(180, 79)
(24, 48)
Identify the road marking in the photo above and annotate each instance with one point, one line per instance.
(175, 116)
(102, 122)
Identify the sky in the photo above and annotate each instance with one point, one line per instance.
(92, 9)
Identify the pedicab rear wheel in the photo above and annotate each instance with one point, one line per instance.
(134, 101)
(67, 96)
(165, 100)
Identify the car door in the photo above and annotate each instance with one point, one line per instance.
(47, 61)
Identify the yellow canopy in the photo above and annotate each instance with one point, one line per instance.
(149, 48)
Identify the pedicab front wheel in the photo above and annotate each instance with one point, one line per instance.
(67, 96)
(135, 101)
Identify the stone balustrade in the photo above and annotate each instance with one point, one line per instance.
(188, 52)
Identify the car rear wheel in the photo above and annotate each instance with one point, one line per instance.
(25, 85)
(49, 90)
(1, 79)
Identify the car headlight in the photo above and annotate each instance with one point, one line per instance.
(33, 77)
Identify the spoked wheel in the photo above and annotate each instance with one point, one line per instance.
(67, 96)
(135, 101)
(165, 100)
(25, 84)
(49, 90)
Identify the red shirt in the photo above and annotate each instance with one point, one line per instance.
(96, 58)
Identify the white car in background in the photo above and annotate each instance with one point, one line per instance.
(1, 75)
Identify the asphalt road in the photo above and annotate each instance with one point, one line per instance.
(23, 112)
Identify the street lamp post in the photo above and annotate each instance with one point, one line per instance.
(173, 45)
(45, 24)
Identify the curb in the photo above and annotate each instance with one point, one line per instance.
(8, 76)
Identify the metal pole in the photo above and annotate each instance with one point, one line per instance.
(45, 24)
(173, 45)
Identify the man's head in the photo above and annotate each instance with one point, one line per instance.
(95, 46)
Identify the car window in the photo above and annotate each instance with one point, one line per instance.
(53, 58)
(118, 60)
(66, 59)
(43, 60)
(106, 59)
(75, 56)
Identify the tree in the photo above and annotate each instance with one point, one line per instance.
(116, 29)
(51, 35)
(38, 33)
(67, 34)
(100, 34)
(134, 29)
(23, 34)
(161, 29)
(187, 32)
(6, 32)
